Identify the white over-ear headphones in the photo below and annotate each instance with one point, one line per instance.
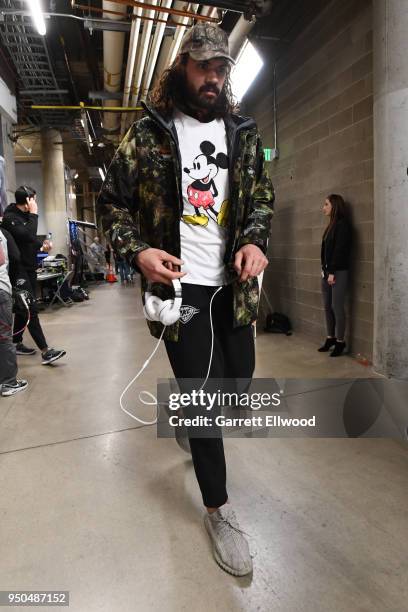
(165, 311)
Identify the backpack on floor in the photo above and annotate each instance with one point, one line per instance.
(77, 295)
(278, 323)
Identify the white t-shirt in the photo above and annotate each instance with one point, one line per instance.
(203, 149)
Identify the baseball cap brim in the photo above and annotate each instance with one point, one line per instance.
(203, 56)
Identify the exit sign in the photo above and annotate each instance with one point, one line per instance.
(270, 154)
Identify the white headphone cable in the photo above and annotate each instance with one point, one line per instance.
(154, 402)
(146, 363)
(212, 338)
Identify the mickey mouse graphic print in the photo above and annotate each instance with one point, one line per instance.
(203, 149)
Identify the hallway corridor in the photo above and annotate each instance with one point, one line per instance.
(95, 504)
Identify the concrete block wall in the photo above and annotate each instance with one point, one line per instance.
(325, 138)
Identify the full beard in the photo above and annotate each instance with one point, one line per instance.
(196, 100)
(199, 100)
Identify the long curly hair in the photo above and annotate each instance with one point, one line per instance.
(170, 92)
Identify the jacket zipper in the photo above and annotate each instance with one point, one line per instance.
(174, 140)
(178, 173)
(245, 124)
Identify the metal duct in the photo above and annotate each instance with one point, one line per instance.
(238, 35)
(145, 40)
(130, 65)
(113, 43)
(154, 51)
(171, 46)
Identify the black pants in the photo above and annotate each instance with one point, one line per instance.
(233, 357)
(20, 320)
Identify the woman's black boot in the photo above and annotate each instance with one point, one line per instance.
(338, 349)
(327, 345)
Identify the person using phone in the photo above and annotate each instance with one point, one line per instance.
(21, 220)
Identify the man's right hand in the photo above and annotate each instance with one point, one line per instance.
(32, 207)
(157, 266)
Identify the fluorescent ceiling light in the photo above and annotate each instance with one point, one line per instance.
(101, 173)
(37, 15)
(249, 63)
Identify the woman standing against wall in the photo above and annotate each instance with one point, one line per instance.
(335, 256)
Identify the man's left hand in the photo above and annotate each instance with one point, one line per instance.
(249, 261)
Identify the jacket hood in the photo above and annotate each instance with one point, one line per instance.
(233, 121)
(12, 208)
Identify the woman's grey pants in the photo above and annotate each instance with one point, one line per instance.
(8, 359)
(334, 297)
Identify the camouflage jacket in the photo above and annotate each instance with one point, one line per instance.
(140, 204)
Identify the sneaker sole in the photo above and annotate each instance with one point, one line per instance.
(218, 559)
(30, 353)
(53, 358)
(13, 391)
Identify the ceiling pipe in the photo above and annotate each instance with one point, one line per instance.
(170, 46)
(95, 9)
(212, 11)
(83, 106)
(239, 35)
(130, 65)
(145, 40)
(172, 11)
(178, 37)
(113, 43)
(154, 52)
(88, 20)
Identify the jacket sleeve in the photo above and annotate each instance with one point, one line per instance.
(257, 227)
(23, 233)
(117, 206)
(341, 248)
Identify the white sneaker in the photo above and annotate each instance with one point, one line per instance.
(230, 548)
(19, 385)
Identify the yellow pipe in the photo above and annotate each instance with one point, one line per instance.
(85, 107)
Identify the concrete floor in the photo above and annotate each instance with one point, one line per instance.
(95, 505)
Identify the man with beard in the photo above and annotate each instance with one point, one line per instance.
(189, 154)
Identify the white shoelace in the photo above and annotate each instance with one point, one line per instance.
(232, 522)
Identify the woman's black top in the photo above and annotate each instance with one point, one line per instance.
(335, 251)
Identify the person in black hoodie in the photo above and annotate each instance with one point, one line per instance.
(335, 255)
(21, 220)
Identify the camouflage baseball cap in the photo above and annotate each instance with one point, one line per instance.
(206, 41)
